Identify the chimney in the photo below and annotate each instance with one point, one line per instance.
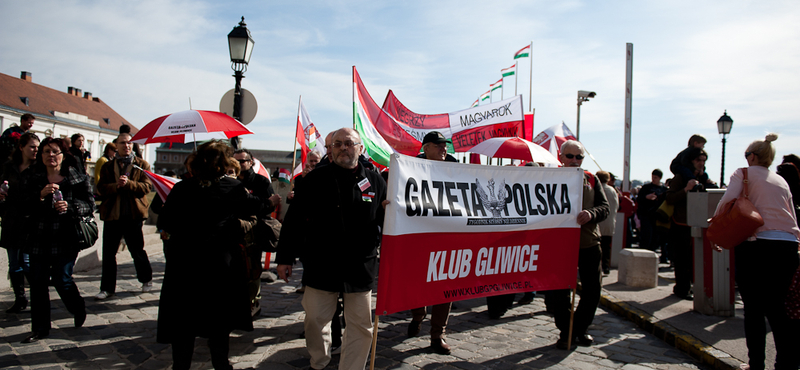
(87, 95)
(78, 92)
(70, 90)
(26, 76)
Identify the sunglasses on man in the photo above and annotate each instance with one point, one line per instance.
(570, 156)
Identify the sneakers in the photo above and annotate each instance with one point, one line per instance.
(103, 295)
(148, 286)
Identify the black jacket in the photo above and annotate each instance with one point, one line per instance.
(334, 227)
(261, 187)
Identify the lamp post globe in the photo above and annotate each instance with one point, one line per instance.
(724, 125)
(240, 47)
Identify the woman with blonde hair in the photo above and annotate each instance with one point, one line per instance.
(766, 262)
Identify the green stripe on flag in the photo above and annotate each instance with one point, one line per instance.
(375, 151)
(523, 55)
(506, 74)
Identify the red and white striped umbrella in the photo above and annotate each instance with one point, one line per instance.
(188, 126)
(514, 148)
(162, 184)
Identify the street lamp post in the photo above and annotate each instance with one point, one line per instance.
(240, 45)
(583, 96)
(724, 125)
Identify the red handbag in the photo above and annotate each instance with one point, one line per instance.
(738, 221)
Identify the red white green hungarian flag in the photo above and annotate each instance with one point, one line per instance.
(475, 103)
(285, 175)
(486, 95)
(523, 53)
(366, 113)
(509, 71)
(496, 85)
(307, 137)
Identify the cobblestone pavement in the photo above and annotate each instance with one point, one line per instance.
(120, 334)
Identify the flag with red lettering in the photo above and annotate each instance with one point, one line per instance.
(552, 138)
(456, 231)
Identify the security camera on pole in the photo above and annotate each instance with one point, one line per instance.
(583, 96)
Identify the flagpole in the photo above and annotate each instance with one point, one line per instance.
(516, 77)
(530, 84)
(294, 152)
(374, 343)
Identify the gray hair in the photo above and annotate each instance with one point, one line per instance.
(572, 144)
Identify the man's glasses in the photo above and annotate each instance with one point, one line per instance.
(747, 154)
(51, 152)
(578, 156)
(243, 161)
(346, 144)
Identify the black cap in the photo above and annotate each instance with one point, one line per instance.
(435, 137)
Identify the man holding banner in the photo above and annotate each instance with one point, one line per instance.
(434, 147)
(342, 203)
(595, 209)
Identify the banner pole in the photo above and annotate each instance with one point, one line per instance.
(374, 343)
(516, 78)
(294, 152)
(571, 319)
(530, 84)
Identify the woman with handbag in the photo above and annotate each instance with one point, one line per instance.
(58, 193)
(205, 260)
(765, 264)
(16, 172)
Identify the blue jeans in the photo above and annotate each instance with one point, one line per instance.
(59, 268)
(17, 260)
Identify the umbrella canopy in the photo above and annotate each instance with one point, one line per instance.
(190, 125)
(514, 148)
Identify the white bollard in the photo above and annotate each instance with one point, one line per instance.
(638, 268)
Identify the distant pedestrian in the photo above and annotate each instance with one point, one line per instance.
(649, 199)
(8, 141)
(123, 188)
(765, 266)
(607, 226)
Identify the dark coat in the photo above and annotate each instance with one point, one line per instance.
(50, 233)
(261, 187)
(12, 210)
(204, 290)
(334, 227)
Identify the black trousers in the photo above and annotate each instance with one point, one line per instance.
(183, 349)
(764, 270)
(59, 268)
(682, 254)
(113, 232)
(558, 301)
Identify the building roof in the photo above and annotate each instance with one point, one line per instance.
(24, 96)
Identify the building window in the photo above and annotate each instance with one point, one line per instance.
(164, 157)
(175, 158)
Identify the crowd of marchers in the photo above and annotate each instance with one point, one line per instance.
(218, 221)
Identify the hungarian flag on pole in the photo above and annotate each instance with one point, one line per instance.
(162, 184)
(523, 53)
(496, 85)
(509, 71)
(486, 95)
(284, 175)
(307, 136)
(366, 114)
(475, 103)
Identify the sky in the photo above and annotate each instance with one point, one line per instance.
(691, 62)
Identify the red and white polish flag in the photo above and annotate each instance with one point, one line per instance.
(162, 184)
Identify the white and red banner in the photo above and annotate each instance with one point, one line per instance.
(307, 137)
(455, 231)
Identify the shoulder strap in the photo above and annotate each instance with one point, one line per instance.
(745, 181)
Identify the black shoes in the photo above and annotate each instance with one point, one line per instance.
(585, 340)
(687, 296)
(35, 337)
(19, 305)
(562, 344)
(413, 328)
(439, 346)
(80, 318)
